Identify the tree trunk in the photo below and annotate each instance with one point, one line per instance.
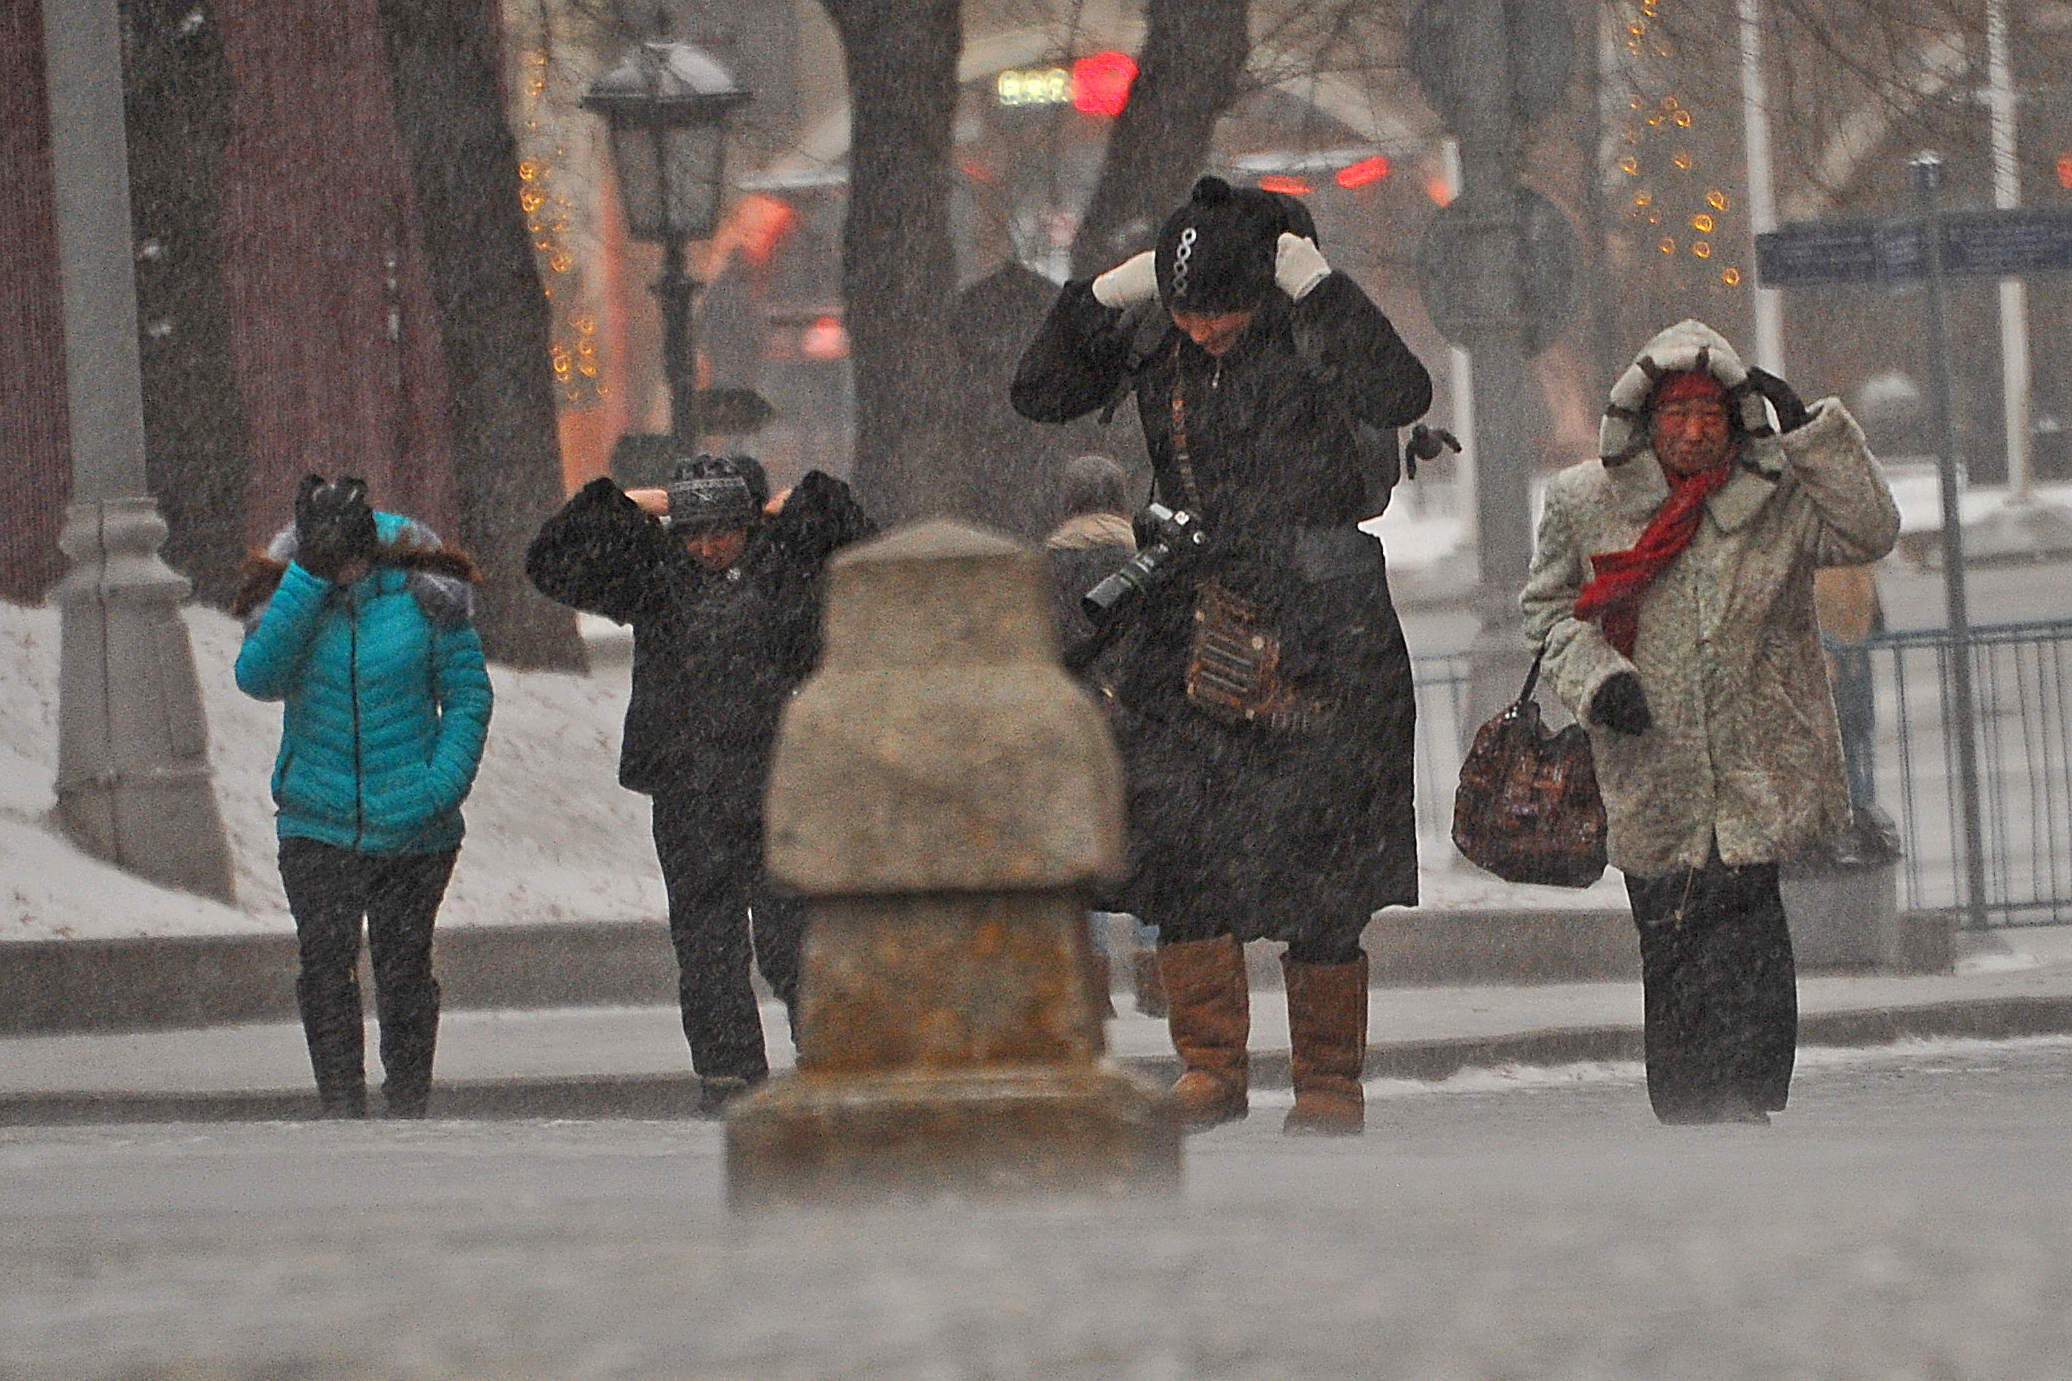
(176, 93)
(1187, 76)
(492, 312)
(899, 269)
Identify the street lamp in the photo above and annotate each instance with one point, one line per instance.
(667, 107)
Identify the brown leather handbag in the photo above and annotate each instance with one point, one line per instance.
(1528, 808)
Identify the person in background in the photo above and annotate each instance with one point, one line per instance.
(1845, 598)
(722, 585)
(358, 622)
(1093, 538)
(1672, 593)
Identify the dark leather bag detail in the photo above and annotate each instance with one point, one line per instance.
(1528, 808)
(1234, 668)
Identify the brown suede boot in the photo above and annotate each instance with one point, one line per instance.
(1327, 1038)
(1209, 1010)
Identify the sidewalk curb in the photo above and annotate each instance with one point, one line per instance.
(675, 1096)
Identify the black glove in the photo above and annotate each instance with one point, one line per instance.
(1427, 442)
(333, 525)
(819, 518)
(1791, 410)
(1621, 706)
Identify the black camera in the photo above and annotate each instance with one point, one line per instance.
(1173, 534)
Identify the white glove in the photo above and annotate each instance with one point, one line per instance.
(1133, 280)
(1298, 265)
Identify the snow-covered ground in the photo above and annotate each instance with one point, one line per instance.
(552, 837)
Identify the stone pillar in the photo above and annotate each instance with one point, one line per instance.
(133, 774)
(134, 784)
(944, 796)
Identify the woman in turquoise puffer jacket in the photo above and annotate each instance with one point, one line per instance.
(359, 623)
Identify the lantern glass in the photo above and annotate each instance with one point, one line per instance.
(692, 161)
(670, 178)
(637, 163)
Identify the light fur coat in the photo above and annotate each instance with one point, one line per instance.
(1744, 747)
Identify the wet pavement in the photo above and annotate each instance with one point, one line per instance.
(1909, 1216)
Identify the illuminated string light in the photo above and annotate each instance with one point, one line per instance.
(1662, 152)
(549, 212)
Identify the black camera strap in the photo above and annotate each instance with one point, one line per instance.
(1182, 461)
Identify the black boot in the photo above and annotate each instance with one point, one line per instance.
(337, 1041)
(403, 904)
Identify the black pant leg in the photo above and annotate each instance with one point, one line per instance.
(779, 931)
(1766, 1001)
(403, 896)
(1675, 1068)
(1721, 1001)
(327, 898)
(711, 866)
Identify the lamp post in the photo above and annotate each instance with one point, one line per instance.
(1925, 174)
(667, 106)
(134, 784)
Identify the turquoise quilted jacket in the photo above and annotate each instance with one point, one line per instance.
(385, 698)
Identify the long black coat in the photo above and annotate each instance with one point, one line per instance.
(1289, 834)
(715, 653)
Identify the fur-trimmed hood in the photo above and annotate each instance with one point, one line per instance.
(1638, 486)
(1688, 345)
(441, 578)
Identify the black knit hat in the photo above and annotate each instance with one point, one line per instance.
(1216, 253)
(715, 493)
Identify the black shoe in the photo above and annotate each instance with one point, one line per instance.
(1713, 1116)
(411, 1104)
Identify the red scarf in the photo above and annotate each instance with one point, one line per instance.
(1613, 597)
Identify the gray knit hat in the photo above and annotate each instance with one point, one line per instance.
(715, 493)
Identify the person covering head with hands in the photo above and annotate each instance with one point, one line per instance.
(1261, 689)
(1672, 591)
(722, 584)
(358, 622)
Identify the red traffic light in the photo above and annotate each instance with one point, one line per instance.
(1101, 82)
(2065, 171)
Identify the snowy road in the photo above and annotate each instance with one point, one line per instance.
(1911, 1216)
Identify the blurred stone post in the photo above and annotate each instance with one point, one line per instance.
(945, 797)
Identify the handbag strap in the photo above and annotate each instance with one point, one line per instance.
(1532, 676)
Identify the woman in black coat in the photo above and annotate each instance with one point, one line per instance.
(1266, 711)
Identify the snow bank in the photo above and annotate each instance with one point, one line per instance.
(552, 837)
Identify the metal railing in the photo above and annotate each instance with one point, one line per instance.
(2022, 679)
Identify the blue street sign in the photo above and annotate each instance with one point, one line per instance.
(1976, 244)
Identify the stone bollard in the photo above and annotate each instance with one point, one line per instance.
(944, 797)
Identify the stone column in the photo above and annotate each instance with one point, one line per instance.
(134, 784)
(944, 796)
(133, 774)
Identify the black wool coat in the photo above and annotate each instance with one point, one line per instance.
(716, 654)
(1292, 834)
